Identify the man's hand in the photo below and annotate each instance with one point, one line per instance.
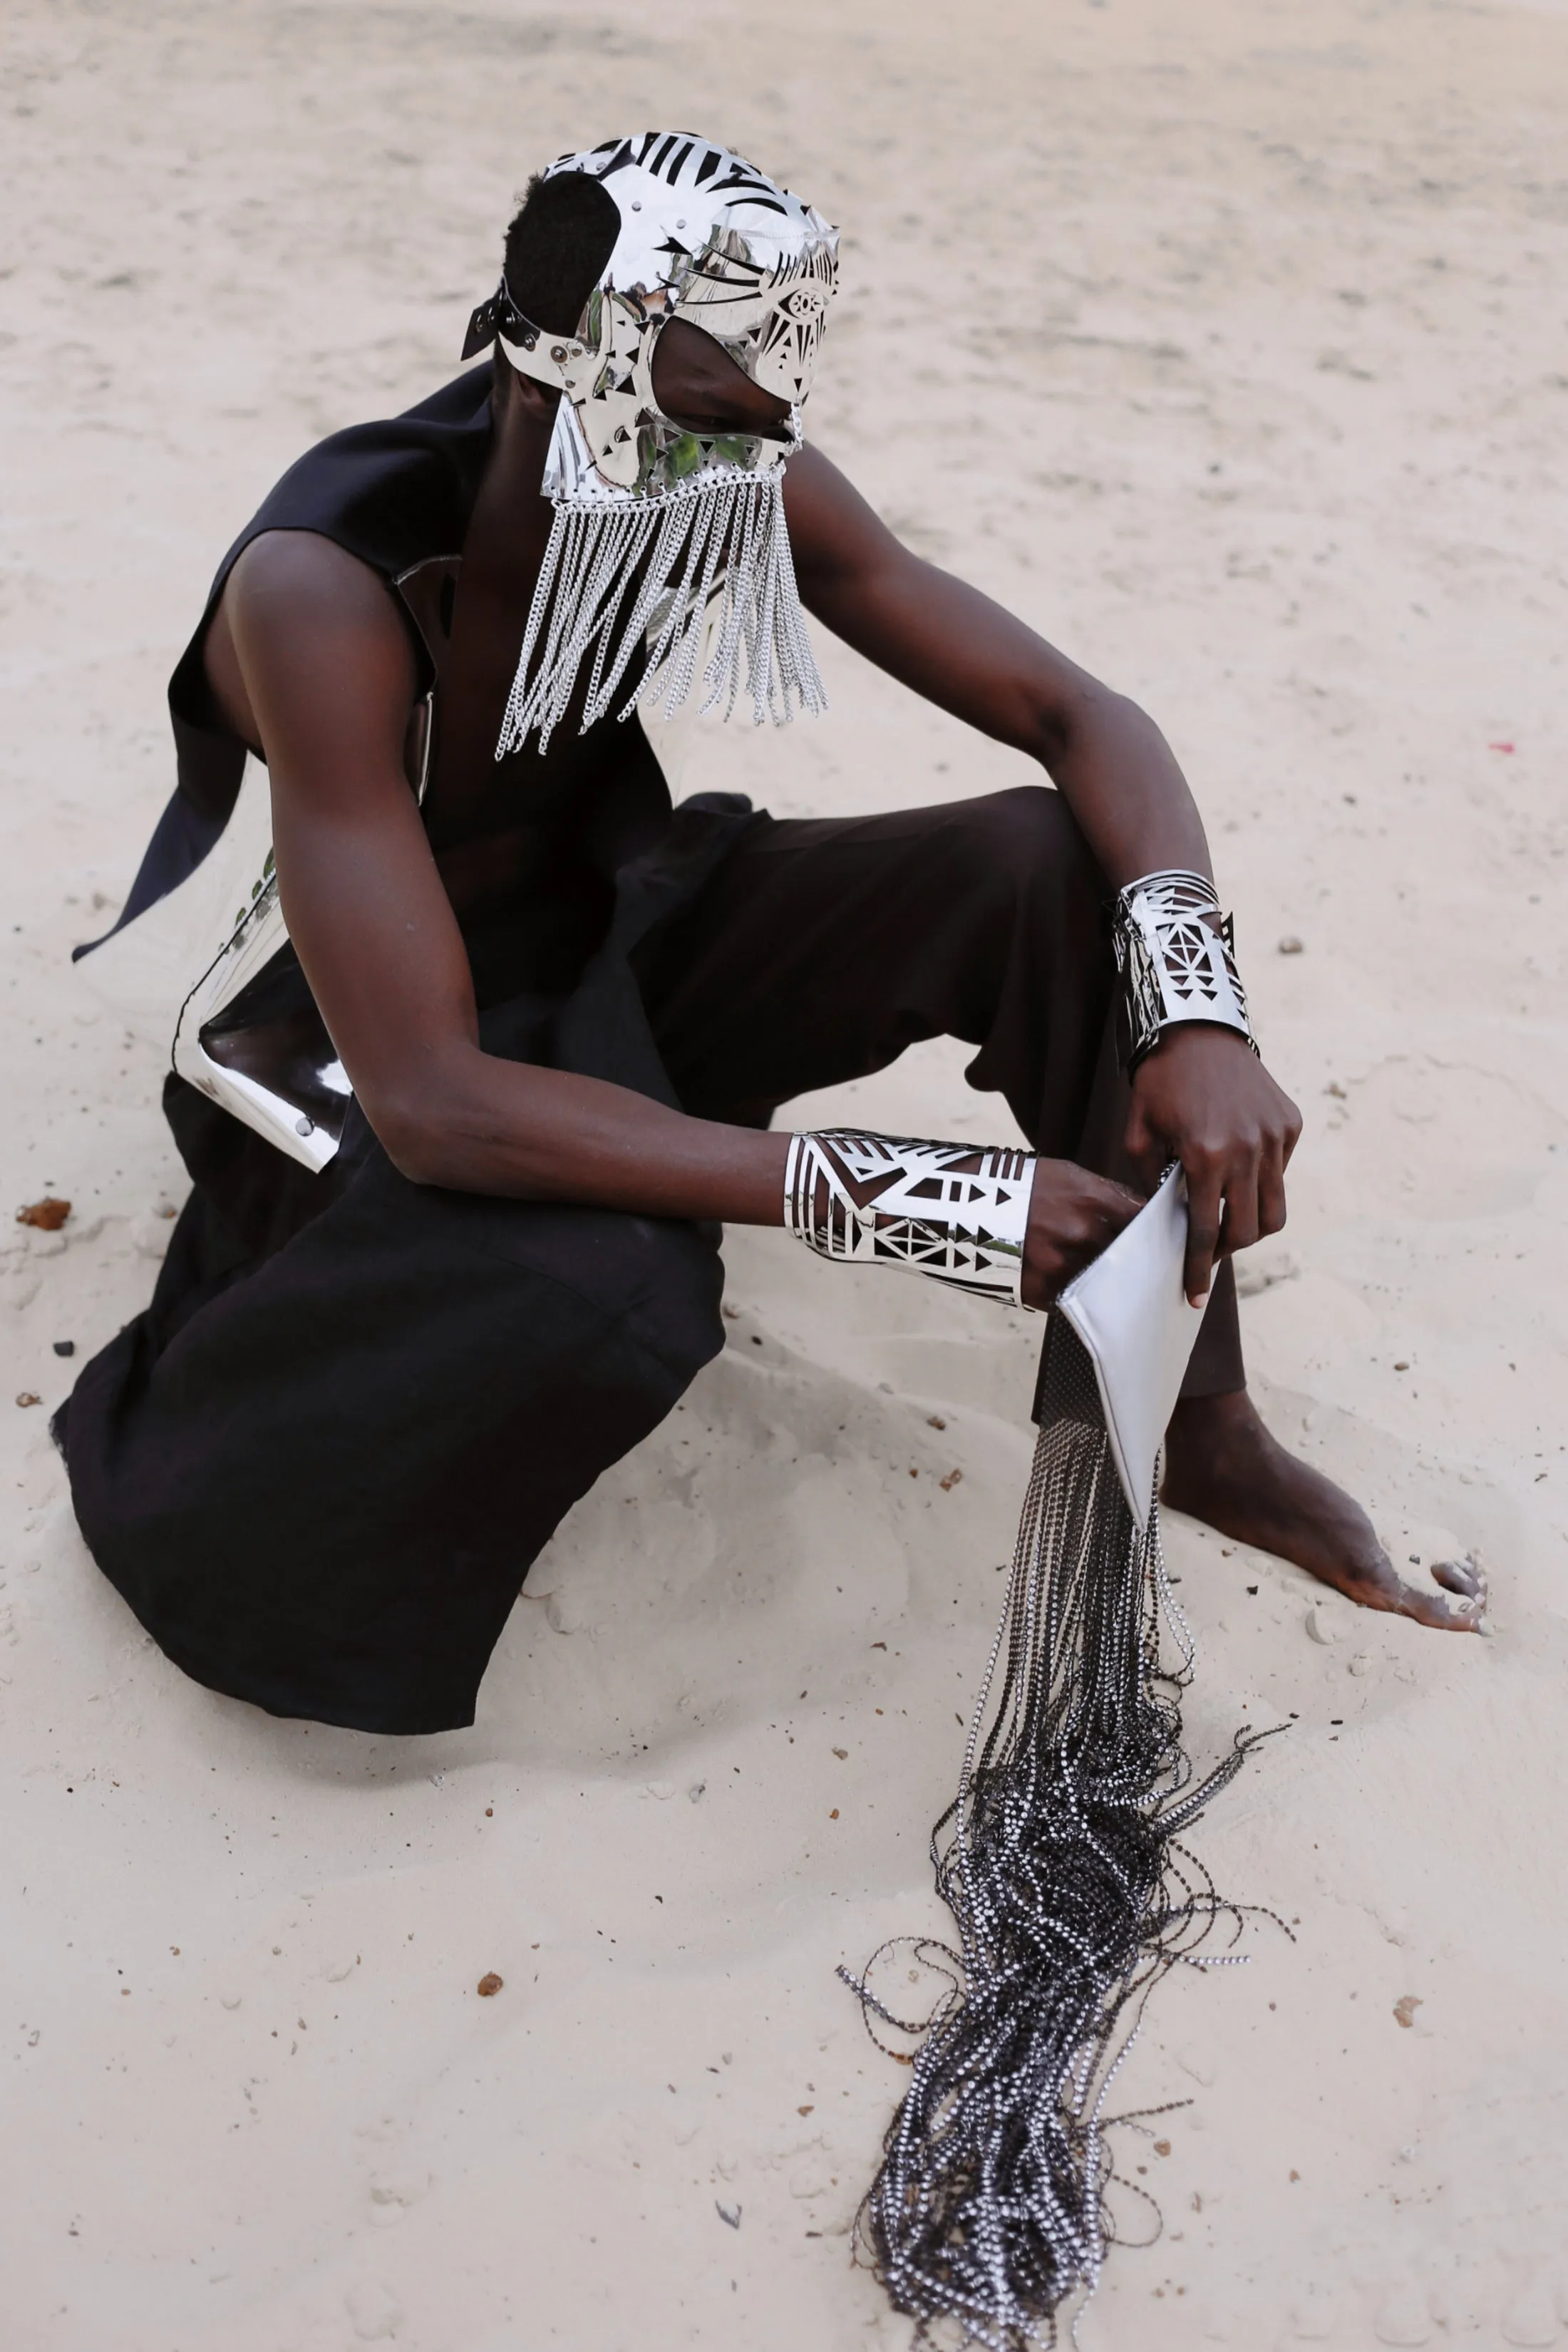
(1201, 1097)
(1072, 1217)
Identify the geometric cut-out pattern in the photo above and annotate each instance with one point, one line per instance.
(950, 1211)
(1176, 956)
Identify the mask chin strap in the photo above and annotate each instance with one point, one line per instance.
(548, 359)
(555, 360)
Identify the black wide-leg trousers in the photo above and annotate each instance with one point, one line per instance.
(320, 1465)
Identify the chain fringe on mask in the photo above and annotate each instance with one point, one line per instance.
(608, 571)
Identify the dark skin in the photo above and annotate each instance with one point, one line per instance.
(311, 665)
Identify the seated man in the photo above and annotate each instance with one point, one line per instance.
(461, 1144)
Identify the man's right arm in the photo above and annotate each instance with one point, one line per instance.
(328, 674)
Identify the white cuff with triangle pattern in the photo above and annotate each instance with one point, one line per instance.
(952, 1210)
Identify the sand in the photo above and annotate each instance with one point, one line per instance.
(1223, 343)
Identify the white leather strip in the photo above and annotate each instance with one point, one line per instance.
(555, 360)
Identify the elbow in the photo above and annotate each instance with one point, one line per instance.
(1089, 716)
(417, 1141)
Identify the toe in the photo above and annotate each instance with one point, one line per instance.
(1465, 1577)
(1460, 1604)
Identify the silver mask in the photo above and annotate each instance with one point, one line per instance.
(667, 540)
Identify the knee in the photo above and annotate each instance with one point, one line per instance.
(663, 1280)
(1027, 842)
(654, 1283)
(582, 1281)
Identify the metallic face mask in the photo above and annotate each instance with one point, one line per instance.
(655, 524)
(704, 236)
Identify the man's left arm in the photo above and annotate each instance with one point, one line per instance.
(1200, 1096)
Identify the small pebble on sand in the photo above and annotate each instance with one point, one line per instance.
(47, 1215)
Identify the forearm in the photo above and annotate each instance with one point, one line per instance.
(478, 1124)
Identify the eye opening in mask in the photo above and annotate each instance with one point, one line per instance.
(701, 387)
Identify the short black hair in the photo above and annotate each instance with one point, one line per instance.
(563, 234)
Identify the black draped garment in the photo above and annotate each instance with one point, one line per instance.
(319, 1464)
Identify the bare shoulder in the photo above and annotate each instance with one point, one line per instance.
(292, 587)
(302, 567)
(299, 621)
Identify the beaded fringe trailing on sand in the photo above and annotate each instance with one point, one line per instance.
(611, 570)
(1060, 1863)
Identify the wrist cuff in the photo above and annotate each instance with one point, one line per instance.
(1176, 958)
(889, 1200)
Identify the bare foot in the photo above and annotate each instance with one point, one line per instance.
(1223, 1467)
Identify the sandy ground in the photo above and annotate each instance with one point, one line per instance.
(1225, 343)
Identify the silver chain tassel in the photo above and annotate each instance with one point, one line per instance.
(607, 571)
(1063, 1861)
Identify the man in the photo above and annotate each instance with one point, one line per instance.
(492, 1046)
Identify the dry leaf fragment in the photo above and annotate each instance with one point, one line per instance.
(489, 1984)
(47, 1215)
(1405, 2006)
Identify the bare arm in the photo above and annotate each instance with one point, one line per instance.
(1200, 1097)
(970, 656)
(330, 679)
